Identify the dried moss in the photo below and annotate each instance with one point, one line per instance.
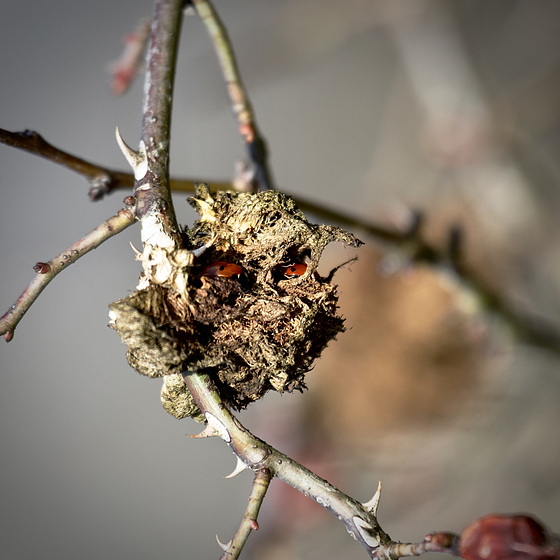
(255, 333)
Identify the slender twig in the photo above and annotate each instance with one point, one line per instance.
(102, 180)
(46, 271)
(249, 523)
(239, 99)
(124, 70)
(447, 543)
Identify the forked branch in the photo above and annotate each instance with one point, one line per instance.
(360, 519)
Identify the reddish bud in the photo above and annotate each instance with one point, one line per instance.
(129, 200)
(503, 537)
(9, 336)
(41, 268)
(254, 524)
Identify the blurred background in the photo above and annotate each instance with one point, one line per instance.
(375, 108)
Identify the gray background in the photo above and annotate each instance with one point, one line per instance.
(363, 112)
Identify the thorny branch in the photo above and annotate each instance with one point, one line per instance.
(360, 519)
(160, 230)
(151, 191)
(233, 549)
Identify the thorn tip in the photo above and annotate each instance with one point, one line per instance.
(239, 467)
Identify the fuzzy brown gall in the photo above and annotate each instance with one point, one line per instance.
(506, 537)
(253, 332)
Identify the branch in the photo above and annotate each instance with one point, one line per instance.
(239, 99)
(233, 549)
(102, 180)
(124, 70)
(46, 271)
(359, 519)
(154, 207)
(446, 543)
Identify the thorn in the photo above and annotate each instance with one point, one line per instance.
(208, 431)
(136, 252)
(223, 546)
(199, 250)
(365, 531)
(137, 160)
(239, 467)
(371, 506)
(218, 426)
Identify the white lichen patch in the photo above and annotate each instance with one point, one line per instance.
(153, 232)
(166, 265)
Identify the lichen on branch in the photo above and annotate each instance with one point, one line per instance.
(250, 310)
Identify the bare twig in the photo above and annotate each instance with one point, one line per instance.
(102, 180)
(46, 271)
(447, 543)
(260, 486)
(239, 99)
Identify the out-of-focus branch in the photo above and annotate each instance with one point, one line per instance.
(124, 70)
(239, 99)
(446, 543)
(46, 271)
